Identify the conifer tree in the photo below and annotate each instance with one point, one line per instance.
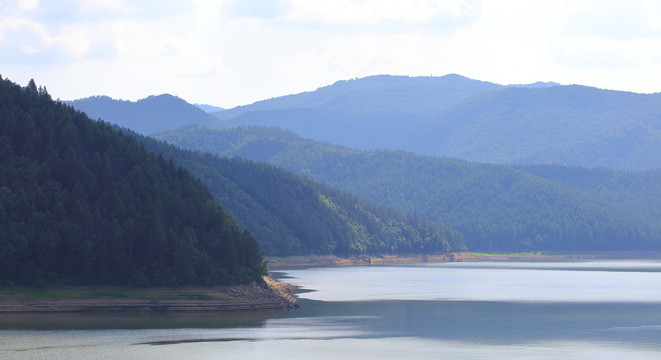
(32, 86)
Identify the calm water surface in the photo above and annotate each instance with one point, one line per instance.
(494, 310)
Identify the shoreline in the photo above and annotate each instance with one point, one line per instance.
(305, 261)
(308, 261)
(266, 295)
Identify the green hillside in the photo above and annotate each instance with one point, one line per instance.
(494, 206)
(639, 192)
(291, 215)
(83, 204)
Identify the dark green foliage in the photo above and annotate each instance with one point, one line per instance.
(494, 206)
(638, 192)
(83, 204)
(291, 215)
(32, 86)
(147, 116)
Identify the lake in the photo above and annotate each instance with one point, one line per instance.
(471, 310)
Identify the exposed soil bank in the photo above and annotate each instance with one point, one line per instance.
(295, 262)
(266, 295)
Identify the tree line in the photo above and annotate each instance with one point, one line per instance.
(82, 203)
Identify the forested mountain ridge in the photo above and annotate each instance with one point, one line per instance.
(453, 116)
(83, 204)
(380, 111)
(291, 215)
(381, 94)
(572, 125)
(146, 116)
(638, 190)
(496, 207)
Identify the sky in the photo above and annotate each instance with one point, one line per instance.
(235, 52)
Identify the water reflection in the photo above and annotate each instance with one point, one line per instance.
(449, 311)
(137, 320)
(609, 281)
(502, 322)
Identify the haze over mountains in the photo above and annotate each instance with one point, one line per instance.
(147, 116)
(209, 108)
(453, 116)
(493, 206)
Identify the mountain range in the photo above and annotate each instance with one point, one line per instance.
(534, 166)
(453, 116)
(146, 116)
(449, 116)
(495, 207)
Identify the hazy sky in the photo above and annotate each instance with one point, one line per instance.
(229, 53)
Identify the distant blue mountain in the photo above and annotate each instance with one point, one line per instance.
(539, 123)
(538, 84)
(209, 108)
(147, 116)
(380, 94)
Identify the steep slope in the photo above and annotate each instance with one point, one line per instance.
(147, 116)
(495, 207)
(452, 116)
(291, 215)
(83, 204)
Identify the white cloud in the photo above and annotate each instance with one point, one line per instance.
(616, 19)
(258, 9)
(28, 5)
(235, 52)
(376, 11)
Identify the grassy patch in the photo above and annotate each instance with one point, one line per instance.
(508, 254)
(28, 294)
(205, 297)
(91, 293)
(105, 295)
(37, 295)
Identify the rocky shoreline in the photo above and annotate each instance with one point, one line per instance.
(265, 295)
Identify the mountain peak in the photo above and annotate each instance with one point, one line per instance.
(538, 84)
(376, 94)
(153, 114)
